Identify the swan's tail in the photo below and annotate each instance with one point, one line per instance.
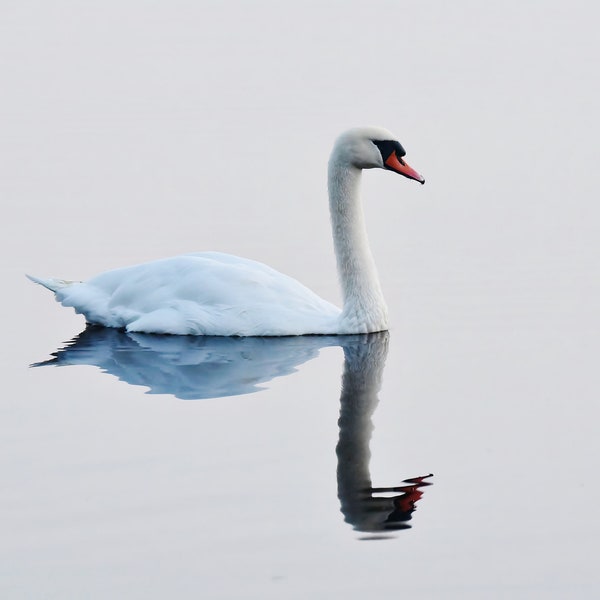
(52, 284)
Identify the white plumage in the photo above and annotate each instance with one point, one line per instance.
(210, 293)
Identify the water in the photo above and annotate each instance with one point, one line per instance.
(192, 368)
(153, 467)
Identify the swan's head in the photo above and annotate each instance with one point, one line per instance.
(373, 148)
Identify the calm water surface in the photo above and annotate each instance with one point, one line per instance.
(157, 467)
(193, 368)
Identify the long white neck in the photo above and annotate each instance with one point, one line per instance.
(364, 308)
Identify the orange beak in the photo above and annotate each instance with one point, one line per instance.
(394, 163)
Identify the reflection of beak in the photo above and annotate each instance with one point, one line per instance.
(394, 163)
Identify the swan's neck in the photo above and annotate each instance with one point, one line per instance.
(364, 307)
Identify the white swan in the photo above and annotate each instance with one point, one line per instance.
(210, 293)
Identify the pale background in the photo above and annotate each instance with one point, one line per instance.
(132, 130)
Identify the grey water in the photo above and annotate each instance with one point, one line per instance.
(453, 457)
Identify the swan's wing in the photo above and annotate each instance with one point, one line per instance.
(201, 294)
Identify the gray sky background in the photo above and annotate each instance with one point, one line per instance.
(137, 130)
(133, 130)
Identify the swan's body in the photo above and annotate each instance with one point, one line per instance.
(207, 293)
(210, 293)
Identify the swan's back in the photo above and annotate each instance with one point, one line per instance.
(206, 293)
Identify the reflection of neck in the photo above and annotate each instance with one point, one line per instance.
(367, 508)
(364, 306)
(364, 361)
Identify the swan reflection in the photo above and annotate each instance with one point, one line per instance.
(367, 508)
(195, 367)
(189, 367)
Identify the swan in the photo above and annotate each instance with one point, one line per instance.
(211, 293)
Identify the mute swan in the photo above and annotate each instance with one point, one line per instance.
(211, 293)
